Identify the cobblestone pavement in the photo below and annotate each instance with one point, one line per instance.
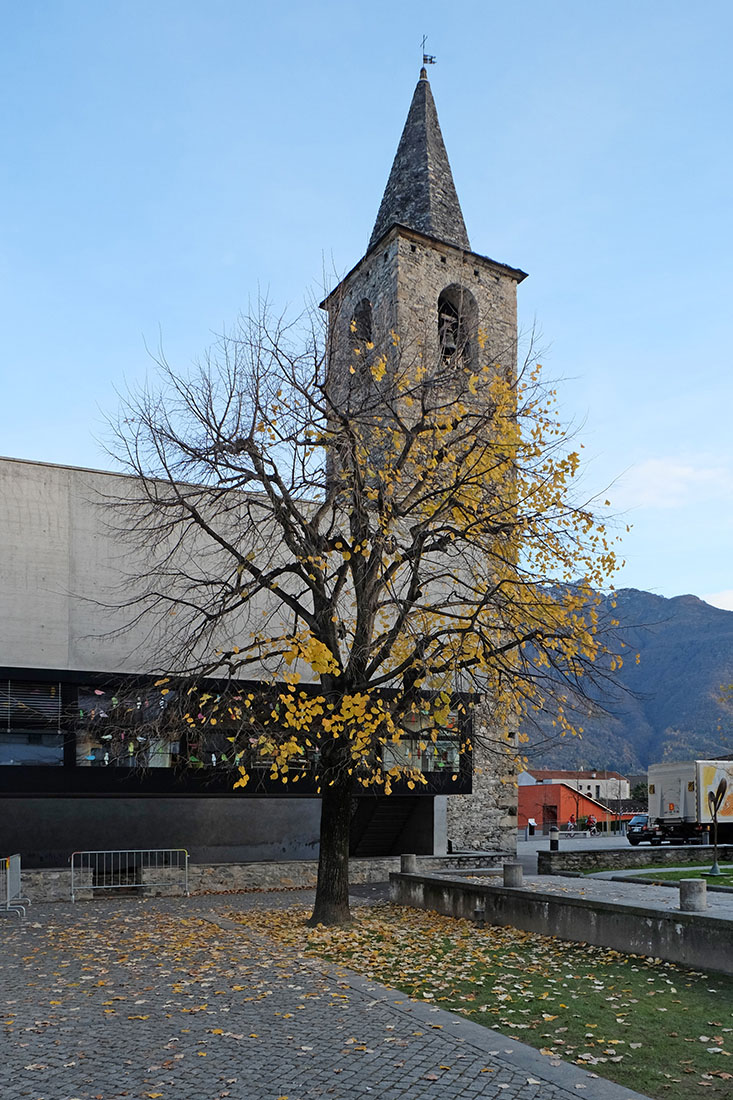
(166, 999)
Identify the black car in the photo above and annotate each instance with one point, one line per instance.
(640, 828)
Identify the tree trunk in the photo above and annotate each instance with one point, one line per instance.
(332, 892)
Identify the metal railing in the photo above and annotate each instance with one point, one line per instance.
(11, 900)
(129, 869)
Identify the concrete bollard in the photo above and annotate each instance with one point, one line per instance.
(408, 864)
(513, 874)
(693, 894)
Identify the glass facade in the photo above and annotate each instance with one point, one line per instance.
(114, 734)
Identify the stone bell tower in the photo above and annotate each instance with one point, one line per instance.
(420, 279)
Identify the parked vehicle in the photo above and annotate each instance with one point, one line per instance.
(639, 829)
(678, 800)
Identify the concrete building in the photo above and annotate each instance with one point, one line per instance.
(65, 665)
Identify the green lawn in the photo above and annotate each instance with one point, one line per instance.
(664, 874)
(652, 1026)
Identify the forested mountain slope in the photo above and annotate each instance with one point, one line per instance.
(669, 705)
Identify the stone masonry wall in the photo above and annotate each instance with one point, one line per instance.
(586, 859)
(403, 280)
(220, 878)
(426, 268)
(486, 818)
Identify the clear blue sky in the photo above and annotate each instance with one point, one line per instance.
(165, 160)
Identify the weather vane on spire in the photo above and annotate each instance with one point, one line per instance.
(427, 58)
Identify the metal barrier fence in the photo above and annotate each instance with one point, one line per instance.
(129, 869)
(11, 900)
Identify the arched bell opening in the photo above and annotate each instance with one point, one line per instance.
(361, 322)
(457, 326)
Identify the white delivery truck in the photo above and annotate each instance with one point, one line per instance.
(679, 809)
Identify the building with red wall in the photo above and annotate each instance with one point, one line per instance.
(549, 804)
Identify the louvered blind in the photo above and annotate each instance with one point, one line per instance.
(28, 705)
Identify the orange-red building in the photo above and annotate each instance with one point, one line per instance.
(548, 804)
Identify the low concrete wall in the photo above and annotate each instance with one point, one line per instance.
(691, 939)
(219, 878)
(591, 858)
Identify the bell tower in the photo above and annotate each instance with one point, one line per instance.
(419, 277)
(449, 307)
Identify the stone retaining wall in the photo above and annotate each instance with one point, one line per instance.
(486, 818)
(620, 859)
(218, 878)
(691, 939)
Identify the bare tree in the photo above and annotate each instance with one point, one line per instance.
(369, 541)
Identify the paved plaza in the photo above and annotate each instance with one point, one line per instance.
(167, 998)
(607, 886)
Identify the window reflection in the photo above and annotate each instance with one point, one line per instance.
(433, 756)
(31, 748)
(423, 746)
(120, 727)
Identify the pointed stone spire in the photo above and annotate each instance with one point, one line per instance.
(420, 192)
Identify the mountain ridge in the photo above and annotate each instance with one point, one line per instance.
(669, 705)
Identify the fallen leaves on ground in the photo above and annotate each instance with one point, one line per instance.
(590, 1005)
